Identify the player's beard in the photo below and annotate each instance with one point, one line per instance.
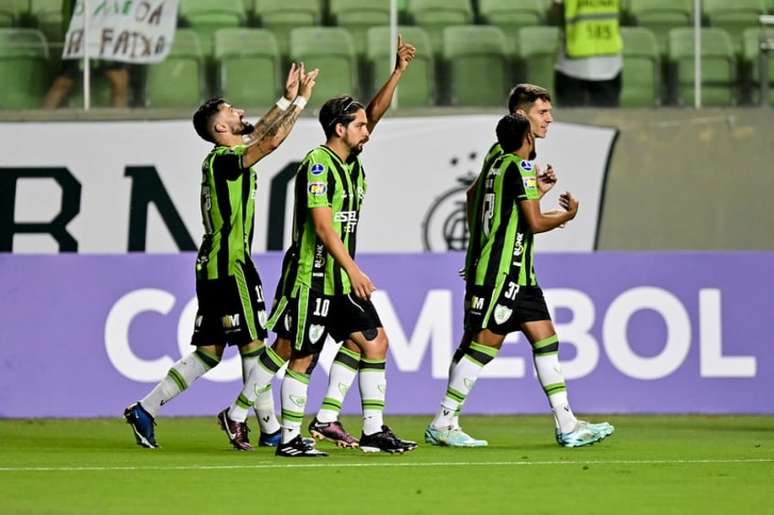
(247, 128)
(357, 148)
(532, 154)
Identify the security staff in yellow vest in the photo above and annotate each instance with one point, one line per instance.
(588, 70)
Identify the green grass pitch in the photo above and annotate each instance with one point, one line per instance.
(652, 464)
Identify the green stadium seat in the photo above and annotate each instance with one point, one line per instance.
(476, 57)
(641, 68)
(511, 15)
(357, 16)
(519, 13)
(207, 16)
(248, 63)
(416, 86)
(734, 17)
(751, 52)
(718, 66)
(47, 16)
(9, 14)
(282, 16)
(661, 16)
(331, 50)
(178, 80)
(23, 68)
(435, 15)
(536, 51)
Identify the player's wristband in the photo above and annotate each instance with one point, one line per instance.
(283, 104)
(300, 102)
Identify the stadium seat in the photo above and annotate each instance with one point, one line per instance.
(511, 15)
(8, 13)
(641, 68)
(248, 66)
(661, 16)
(734, 17)
(47, 16)
(751, 52)
(476, 57)
(435, 15)
(536, 51)
(178, 80)
(416, 86)
(518, 13)
(331, 50)
(718, 65)
(357, 16)
(23, 68)
(207, 16)
(282, 16)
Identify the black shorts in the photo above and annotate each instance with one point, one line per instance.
(72, 68)
(504, 307)
(231, 310)
(308, 316)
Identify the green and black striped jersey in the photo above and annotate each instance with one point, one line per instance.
(323, 180)
(228, 207)
(501, 244)
(495, 151)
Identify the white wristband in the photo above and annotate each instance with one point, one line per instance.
(283, 104)
(300, 102)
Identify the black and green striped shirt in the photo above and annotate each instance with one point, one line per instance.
(323, 180)
(501, 244)
(228, 208)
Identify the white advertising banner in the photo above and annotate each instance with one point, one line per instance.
(132, 31)
(115, 187)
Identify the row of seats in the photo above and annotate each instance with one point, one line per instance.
(475, 68)
(357, 16)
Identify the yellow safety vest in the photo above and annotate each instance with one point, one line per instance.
(591, 28)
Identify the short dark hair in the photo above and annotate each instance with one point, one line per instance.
(203, 115)
(512, 129)
(522, 96)
(338, 110)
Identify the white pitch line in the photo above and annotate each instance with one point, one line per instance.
(273, 465)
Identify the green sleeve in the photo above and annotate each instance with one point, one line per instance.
(318, 192)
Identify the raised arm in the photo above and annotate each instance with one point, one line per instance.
(268, 136)
(322, 218)
(382, 100)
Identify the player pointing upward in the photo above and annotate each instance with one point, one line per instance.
(228, 289)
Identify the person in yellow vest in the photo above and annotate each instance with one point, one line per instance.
(588, 70)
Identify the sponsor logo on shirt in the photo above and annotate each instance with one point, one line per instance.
(318, 169)
(530, 183)
(526, 166)
(318, 188)
(348, 219)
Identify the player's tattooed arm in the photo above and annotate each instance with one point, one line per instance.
(383, 99)
(273, 136)
(275, 113)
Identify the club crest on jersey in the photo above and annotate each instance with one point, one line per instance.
(502, 314)
(526, 166)
(262, 318)
(318, 188)
(315, 331)
(298, 400)
(318, 169)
